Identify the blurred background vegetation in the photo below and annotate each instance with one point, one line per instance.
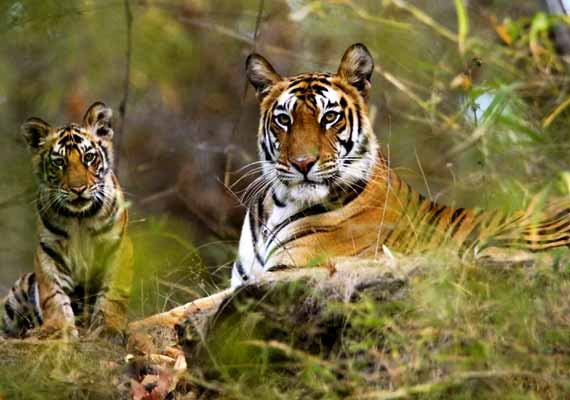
(470, 100)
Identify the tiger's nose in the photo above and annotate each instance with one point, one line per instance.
(78, 189)
(304, 164)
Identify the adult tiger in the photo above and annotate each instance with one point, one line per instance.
(326, 190)
(83, 263)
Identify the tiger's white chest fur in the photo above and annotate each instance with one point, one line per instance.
(259, 240)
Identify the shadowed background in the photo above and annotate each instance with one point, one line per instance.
(466, 101)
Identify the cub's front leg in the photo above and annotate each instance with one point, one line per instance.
(110, 315)
(55, 304)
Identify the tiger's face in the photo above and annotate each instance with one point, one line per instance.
(72, 163)
(314, 135)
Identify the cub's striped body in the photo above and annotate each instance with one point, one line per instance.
(327, 191)
(83, 264)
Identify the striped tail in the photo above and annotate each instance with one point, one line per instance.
(535, 231)
(417, 224)
(22, 306)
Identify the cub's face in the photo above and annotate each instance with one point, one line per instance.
(72, 162)
(314, 135)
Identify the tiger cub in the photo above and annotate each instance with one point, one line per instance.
(84, 261)
(326, 190)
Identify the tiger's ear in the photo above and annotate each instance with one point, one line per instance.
(261, 74)
(98, 119)
(35, 130)
(356, 67)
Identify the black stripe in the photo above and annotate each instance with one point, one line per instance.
(240, 270)
(9, 311)
(297, 90)
(34, 301)
(276, 201)
(96, 206)
(347, 144)
(51, 296)
(320, 90)
(549, 230)
(20, 294)
(257, 224)
(265, 151)
(436, 215)
(306, 232)
(52, 228)
(357, 188)
(56, 257)
(313, 210)
(456, 215)
(457, 225)
(359, 119)
(105, 152)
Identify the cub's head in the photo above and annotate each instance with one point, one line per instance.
(315, 138)
(72, 163)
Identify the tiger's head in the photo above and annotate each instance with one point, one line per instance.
(73, 163)
(314, 136)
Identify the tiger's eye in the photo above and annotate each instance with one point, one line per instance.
(58, 162)
(89, 157)
(283, 119)
(330, 116)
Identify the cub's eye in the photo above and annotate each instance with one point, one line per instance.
(330, 117)
(58, 162)
(283, 120)
(89, 157)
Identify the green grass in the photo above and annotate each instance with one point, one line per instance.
(60, 370)
(456, 330)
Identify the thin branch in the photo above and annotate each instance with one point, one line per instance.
(254, 45)
(124, 101)
(242, 102)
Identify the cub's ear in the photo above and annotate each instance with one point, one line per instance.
(98, 119)
(261, 74)
(35, 130)
(356, 67)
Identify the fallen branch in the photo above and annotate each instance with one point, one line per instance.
(348, 276)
